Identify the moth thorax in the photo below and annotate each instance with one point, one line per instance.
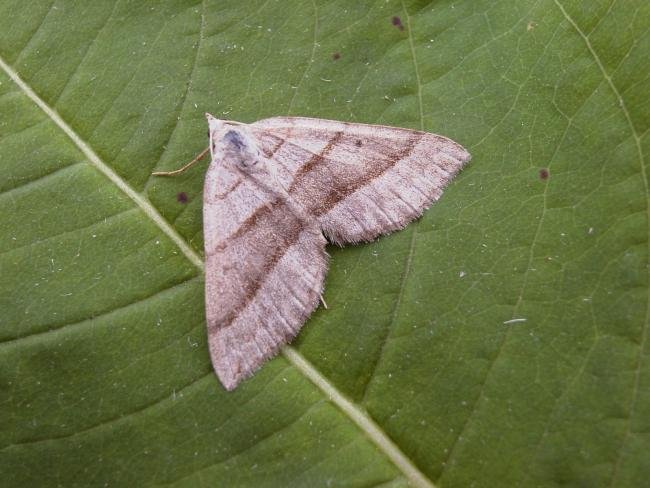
(239, 149)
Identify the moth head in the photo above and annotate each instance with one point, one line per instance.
(231, 143)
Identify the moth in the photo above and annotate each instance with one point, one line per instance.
(275, 193)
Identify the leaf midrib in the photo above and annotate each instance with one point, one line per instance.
(354, 412)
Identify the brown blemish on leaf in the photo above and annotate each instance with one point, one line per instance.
(182, 197)
(543, 174)
(336, 56)
(397, 22)
(531, 25)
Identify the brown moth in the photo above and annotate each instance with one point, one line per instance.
(275, 192)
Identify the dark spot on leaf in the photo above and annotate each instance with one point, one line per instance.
(397, 22)
(182, 197)
(358, 143)
(543, 174)
(336, 56)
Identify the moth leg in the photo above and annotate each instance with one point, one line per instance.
(186, 167)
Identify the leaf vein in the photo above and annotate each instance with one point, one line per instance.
(114, 420)
(644, 176)
(515, 310)
(55, 329)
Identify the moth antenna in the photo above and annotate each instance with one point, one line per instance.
(233, 122)
(187, 166)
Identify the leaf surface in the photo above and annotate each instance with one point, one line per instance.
(500, 340)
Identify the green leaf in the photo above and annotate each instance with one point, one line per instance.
(500, 340)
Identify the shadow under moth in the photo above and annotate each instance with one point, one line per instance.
(275, 192)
